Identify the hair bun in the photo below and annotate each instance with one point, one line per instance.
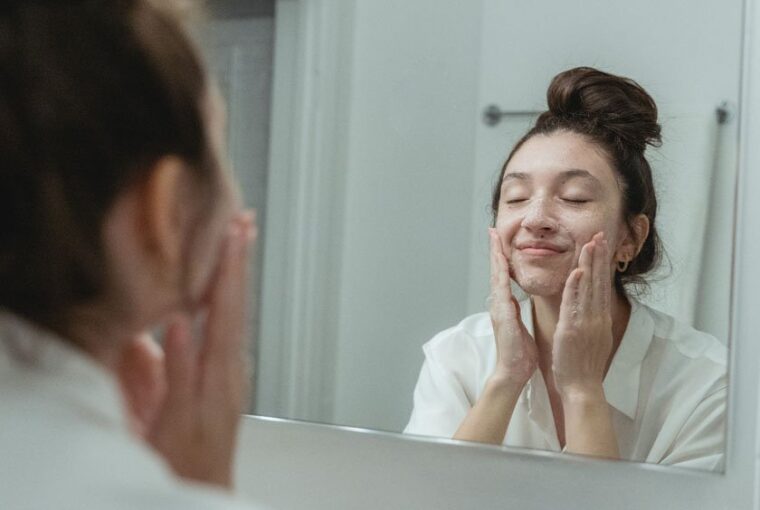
(614, 105)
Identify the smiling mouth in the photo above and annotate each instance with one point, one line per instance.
(540, 252)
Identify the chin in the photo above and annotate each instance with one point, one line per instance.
(541, 283)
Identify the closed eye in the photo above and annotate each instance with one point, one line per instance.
(576, 200)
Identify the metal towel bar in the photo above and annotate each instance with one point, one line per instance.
(492, 114)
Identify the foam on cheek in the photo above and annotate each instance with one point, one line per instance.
(576, 230)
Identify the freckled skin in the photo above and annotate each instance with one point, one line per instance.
(539, 207)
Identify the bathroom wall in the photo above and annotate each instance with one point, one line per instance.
(408, 198)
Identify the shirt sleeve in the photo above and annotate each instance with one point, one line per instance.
(701, 442)
(440, 401)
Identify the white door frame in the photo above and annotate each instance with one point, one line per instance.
(299, 310)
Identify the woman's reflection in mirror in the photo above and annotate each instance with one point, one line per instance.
(579, 365)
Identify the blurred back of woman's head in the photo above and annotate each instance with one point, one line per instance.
(92, 94)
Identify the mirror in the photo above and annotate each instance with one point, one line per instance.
(373, 173)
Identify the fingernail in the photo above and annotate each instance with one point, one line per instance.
(237, 234)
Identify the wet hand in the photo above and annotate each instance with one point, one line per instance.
(583, 338)
(517, 355)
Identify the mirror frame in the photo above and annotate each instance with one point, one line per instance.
(294, 464)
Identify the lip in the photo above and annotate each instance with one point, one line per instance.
(540, 248)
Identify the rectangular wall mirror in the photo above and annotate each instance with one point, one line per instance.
(370, 136)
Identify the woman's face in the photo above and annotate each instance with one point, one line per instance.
(558, 191)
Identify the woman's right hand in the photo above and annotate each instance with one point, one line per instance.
(186, 400)
(516, 359)
(517, 355)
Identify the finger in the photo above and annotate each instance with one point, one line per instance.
(224, 344)
(568, 310)
(243, 224)
(142, 380)
(503, 265)
(518, 313)
(175, 431)
(601, 279)
(516, 305)
(493, 254)
(501, 292)
(585, 264)
(246, 220)
(181, 367)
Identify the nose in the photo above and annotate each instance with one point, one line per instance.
(539, 217)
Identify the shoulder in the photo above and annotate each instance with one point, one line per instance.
(473, 333)
(689, 342)
(687, 350)
(87, 463)
(462, 355)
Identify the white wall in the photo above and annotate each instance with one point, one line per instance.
(406, 226)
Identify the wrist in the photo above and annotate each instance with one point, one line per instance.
(583, 395)
(505, 382)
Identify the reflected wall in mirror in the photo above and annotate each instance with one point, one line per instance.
(386, 142)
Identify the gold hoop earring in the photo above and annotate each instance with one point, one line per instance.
(622, 265)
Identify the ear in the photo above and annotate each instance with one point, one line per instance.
(163, 208)
(631, 244)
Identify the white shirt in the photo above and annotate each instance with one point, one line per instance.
(666, 386)
(64, 438)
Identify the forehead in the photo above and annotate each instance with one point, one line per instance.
(550, 156)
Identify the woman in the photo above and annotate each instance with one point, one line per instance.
(118, 217)
(580, 365)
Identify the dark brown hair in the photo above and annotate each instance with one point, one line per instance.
(617, 115)
(92, 93)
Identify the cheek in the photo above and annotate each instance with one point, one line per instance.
(586, 222)
(583, 229)
(507, 228)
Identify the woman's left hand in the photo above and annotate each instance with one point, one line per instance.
(583, 338)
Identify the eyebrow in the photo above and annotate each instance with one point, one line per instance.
(566, 175)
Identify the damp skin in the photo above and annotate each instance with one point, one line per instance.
(558, 191)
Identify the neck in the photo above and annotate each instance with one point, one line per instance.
(101, 335)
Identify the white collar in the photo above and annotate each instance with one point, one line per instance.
(37, 358)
